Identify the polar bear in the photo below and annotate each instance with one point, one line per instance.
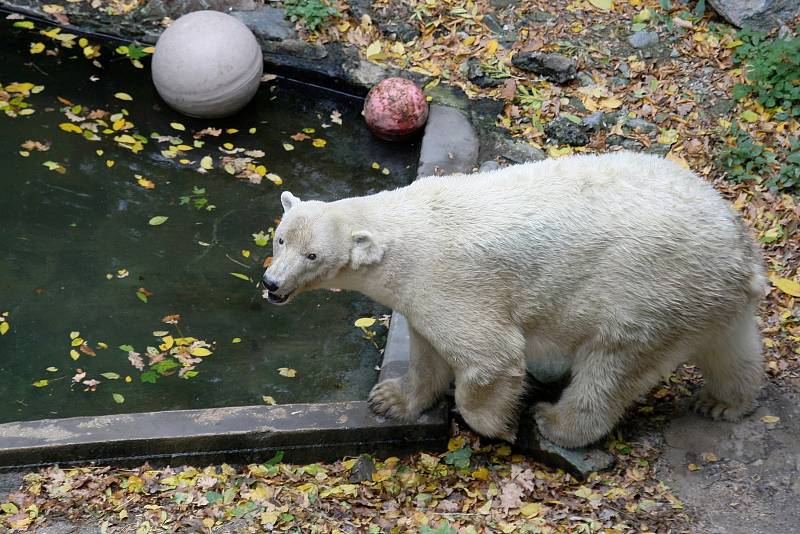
(613, 268)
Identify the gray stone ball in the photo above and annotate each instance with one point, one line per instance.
(207, 64)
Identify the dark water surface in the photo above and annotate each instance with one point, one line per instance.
(61, 235)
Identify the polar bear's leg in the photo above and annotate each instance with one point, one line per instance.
(732, 366)
(490, 406)
(602, 386)
(428, 377)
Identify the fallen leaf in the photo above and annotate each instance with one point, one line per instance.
(790, 287)
(770, 419)
(157, 220)
(287, 372)
(123, 96)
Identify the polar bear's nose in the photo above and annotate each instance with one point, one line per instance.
(269, 283)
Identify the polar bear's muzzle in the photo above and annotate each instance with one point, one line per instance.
(274, 298)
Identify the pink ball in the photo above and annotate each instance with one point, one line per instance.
(395, 108)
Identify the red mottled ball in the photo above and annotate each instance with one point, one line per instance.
(395, 109)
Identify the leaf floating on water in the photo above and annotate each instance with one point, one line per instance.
(242, 277)
(268, 400)
(55, 166)
(207, 163)
(37, 48)
(52, 369)
(144, 182)
(199, 352)
(74, 354)
(24, 24)
(261, 239)
(365, 322)
(287, 372)
(236, 340)
(4, 327)
(319, 143)
(178, 126)
(288, 147)
(41, 383)
(119, 399)
(110, 376)
(123, 96)
(157, 220)
(171, 319)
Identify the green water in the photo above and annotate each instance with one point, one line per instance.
(61, 235)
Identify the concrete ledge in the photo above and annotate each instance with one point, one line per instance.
(304, 432)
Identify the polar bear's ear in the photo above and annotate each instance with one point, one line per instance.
(289, 201)
(365, 250)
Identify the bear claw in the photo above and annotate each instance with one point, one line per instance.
(707, 405)
(388, 399)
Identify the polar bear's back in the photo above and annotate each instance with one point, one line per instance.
(627, 234)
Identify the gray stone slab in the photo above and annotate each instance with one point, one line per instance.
(305, 432)
(759, 14)
(450, 144)
(267, 23)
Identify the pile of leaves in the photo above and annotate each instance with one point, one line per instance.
(468, 489)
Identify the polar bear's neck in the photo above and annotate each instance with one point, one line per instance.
(385, 216)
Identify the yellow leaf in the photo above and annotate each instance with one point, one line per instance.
(668, 137)
(374, 50)
(531, 509)
(236, 340)
(770, 419)
(790, 287)
(287, 372)
(365, 322)
(268, 400)
(4, 328)
(376, 165)
(199, 351)
(246, 253)
(19, 87)
(74, 354)
(37, 48)
(611, 102)
(605, 5)
(491, 47)
(74, 334)
(319, 143)
(178, 126)
(109, 163)
(207, 163)
(144, 182)
(169, 341)
(77, 342)
(481, 474)
(694, 467)
(123, 96)
(287, 147)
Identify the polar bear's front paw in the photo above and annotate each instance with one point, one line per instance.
(389, 399)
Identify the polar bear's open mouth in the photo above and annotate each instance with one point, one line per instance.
(277, 299)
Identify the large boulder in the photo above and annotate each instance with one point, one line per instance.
(758, 14)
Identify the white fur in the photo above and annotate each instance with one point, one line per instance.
(616, 268)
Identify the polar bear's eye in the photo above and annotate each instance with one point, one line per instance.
(312, 257)
(280, 241)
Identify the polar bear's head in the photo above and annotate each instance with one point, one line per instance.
(313, 244)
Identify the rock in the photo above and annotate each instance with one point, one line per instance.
(521, 152)
(624, 142)
(758, 14)
(476, 75)
(554, 67)
(493, 24)
(177, 8)
(641, 125)
(362, 470)
(643, 39)
(580, 462)
(450, 144)
(566, 132)
(391, 19)
(594, 121)
(501, 4)
(267, 23)
(489, 165)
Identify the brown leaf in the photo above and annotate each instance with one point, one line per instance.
(509, 89)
